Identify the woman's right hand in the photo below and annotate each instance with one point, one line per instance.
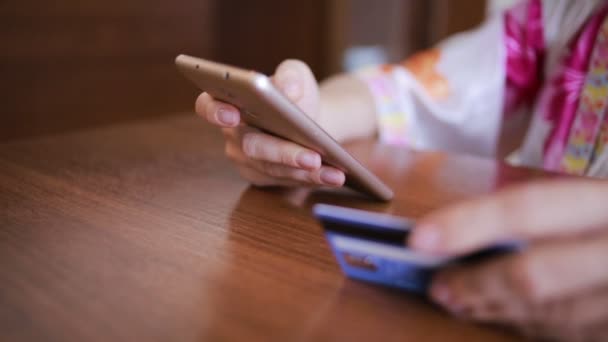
(265, 160)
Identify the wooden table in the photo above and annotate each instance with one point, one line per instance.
(145, 232)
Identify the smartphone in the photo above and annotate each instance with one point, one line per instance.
(372, 247)
(265, 107)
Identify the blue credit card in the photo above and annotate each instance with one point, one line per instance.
(371, 247)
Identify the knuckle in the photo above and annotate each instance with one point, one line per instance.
(271, 170)
(287, 157)
(523, 278)
(314, 177)
(250, 144)
(302, 176)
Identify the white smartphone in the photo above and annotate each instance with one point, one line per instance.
(265, 107)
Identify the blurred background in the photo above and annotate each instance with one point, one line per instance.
(72, 64)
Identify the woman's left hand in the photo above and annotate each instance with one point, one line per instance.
(557, 287)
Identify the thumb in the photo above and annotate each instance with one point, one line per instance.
(295, 79)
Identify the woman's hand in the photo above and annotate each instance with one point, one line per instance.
(265, 160)
(557, 287)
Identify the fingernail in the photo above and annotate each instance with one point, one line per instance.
(309, 160)
(293, 90)
(426, 238)
(227, 117)
(332, 177)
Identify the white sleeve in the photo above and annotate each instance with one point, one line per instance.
(448, 98)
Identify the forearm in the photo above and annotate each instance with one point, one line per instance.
(347, 108)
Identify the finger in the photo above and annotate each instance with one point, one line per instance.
(295, 79)
(544, 209)
(563, 268)
(520, 287)
(484, 291)
(264, 147)
(326, 175)
(329, 176)
(233, 148)
(574, 318)
(217, 112)
(234, 145)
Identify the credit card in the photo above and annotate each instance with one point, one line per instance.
(371, 247)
